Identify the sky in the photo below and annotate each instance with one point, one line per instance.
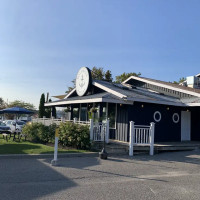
(43, 43)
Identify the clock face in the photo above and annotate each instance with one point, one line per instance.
(82, 81)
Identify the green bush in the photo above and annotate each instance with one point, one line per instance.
(37, 132)
(70, 134)
(74, 135)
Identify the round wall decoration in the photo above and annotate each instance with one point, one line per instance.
(157, 116)
(175, 117)
(83, 80)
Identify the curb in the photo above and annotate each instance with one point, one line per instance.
(40, 156)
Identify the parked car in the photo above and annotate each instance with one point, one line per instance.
(4, 128)
(15, 125)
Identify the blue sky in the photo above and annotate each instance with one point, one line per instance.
(44, 43)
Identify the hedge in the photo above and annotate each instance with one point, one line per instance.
(70, 134)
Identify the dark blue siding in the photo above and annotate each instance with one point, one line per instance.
(165, 130)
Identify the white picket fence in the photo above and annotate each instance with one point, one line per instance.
(99, 130)
(141, 135)
(49, 121)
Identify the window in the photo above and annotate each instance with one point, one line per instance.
(175, 117)
(76, 113)
(157, 116)
(112, 114)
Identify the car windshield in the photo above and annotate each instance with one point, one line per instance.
(20, 123)
(2, 124)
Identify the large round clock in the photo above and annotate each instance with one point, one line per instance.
(83, 80)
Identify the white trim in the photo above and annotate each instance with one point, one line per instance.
(88, 101)
(162, 85)
(192, 104)
(154, 116)
(70, 93)
(109, 90)
(178, 118)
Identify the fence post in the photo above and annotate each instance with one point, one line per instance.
(44, 120)
(152, 130)
(91, 129)
(52, 118)
(107, 131)
(131, 137)
(75, 120)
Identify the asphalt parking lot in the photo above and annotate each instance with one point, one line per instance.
(174, 175)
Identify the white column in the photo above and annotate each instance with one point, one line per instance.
(91, 129)
(152, 130)
(131, 138)
(107, 131)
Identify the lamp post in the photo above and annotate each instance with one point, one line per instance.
(103, 154)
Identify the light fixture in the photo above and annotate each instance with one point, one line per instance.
(142, 106)
(167, 108)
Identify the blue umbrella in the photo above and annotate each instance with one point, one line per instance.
(16, 110)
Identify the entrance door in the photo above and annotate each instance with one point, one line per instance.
(185, 126)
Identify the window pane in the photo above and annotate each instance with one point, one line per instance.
(83, 113)
(111, 114)
(75, 113)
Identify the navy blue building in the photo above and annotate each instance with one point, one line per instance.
(174, 108)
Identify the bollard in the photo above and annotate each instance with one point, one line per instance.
(54, 162)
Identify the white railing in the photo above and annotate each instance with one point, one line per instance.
(49, 121)
(99, 130)
(141, 135)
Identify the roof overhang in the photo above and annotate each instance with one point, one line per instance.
(95, 100)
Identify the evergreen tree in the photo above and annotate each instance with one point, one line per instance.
(108, 76)
(41, 106)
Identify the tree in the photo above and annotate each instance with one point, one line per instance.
(2, 103)
(22, 104)
(41, 106)
(71, 88)
(180, 80)
(124, 76)
(97, 73)
(108, 76)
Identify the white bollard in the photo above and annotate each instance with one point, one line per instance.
(152, 129)
(54, 162)
(131, 138)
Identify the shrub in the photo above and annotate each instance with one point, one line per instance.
(74, 135)
(37, 132)
(70, 134)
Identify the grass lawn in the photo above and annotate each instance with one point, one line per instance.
(22, 147)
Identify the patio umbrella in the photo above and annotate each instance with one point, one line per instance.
(16, 110)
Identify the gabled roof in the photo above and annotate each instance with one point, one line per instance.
(124, 94)
(172, 86)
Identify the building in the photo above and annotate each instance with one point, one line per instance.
(174, 108)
